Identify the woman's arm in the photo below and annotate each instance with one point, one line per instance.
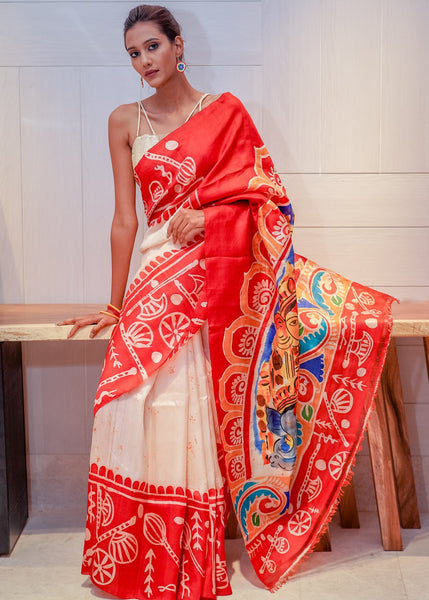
(124, 224)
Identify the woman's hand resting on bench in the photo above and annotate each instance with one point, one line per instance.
(99, 320)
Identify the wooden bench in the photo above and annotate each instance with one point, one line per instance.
(388, 440)
(387, 432)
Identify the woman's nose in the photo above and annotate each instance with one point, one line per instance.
(145, 59)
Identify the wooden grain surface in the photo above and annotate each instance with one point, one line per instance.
(31, 322)
(27, 322)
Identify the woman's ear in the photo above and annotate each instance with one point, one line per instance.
(180, 46)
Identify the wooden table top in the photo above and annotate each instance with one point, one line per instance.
(31, 322)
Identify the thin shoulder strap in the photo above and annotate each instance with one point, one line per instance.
(198, 105)
(138, 119)
(142, 109)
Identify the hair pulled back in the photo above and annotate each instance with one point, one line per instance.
(158, 14)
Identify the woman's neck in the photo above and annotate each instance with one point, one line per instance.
(173, 96)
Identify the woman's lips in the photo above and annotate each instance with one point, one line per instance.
(151, 72)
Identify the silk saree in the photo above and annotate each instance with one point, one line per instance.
(294, 355)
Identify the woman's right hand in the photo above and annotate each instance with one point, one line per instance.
(99, 320)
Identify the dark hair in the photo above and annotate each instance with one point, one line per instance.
(160, 15)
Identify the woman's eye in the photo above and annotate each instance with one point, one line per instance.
(134, 54)
(153, 46)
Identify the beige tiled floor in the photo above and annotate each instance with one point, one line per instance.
(45, 565)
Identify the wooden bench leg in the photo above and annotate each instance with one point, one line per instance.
(426, 344)
(13, 469)
(232, 530)
(348, 508)
(324, 543)
(399, 441)
(383, 475)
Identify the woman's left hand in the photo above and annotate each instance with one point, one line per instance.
(186, 224)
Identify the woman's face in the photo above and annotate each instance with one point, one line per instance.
(152, 54)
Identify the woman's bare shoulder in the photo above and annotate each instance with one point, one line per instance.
(124, 113)
(123, 122)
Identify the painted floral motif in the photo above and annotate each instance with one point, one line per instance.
(262, 294)
(266, 175)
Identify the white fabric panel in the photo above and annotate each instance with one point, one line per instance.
(52, 193)
(405, 105)
(82, 33)
(11, 252)
(361, 200)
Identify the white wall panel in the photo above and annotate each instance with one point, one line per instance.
(350, 46)
(361, 200)
(170, 4)
(309, 71)
(243, 82)
(52, 193)
(103, 89)
(414, 375)
(291, 84)
(55, 398)
(11, 251)
(406, 293)
(372, 256)
(94, 354)
(80, 33)
(405, 106)
(417, 415)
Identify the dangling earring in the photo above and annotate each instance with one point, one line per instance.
(142, 80)
(181, 66)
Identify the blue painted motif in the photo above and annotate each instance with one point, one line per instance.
(313, 339)
(317, 292)
(316, 366)
(250, 493)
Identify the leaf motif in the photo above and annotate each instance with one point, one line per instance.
(307, 412)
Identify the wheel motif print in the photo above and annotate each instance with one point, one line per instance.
(107, 510)
(300, 523)
(173, 327)
(123, 547)
(336, 465)
(103, 570)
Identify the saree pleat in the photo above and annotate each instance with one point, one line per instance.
(156, 505)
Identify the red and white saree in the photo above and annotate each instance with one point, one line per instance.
(234, 362)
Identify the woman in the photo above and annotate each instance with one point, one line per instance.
(210, 378)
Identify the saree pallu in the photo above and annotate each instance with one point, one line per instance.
(296, 353)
